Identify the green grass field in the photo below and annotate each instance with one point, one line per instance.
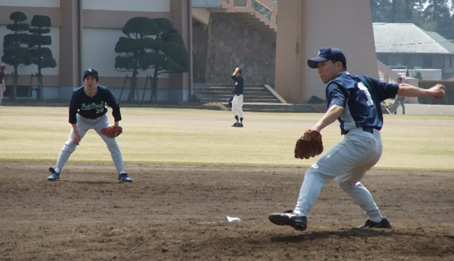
(190, 136)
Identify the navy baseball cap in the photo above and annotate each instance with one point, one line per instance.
(92, 72)
(326, 54)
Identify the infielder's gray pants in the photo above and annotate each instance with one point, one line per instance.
(83, 125)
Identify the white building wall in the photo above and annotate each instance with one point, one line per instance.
(31, 3)
(98, 51)
(312, 24)
(129, 5)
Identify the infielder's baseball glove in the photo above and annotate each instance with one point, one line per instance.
(112, 131)
(309, 145)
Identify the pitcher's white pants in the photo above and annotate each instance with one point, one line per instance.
(348, 162)
(83, 125)
(237, 105)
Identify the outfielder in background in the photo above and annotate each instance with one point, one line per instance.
(237, 101)
(399, 100)
(88, 110)
(354, 100)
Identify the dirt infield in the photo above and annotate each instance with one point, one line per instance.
(178, 212)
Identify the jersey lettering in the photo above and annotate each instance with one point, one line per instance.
(366, 92)
(99, 108)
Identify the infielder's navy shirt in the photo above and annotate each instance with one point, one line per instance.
(239, 85)
(93, 107)
(360, 96)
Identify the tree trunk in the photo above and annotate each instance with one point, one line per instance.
(40, 90)
(154, 87)
(15, 78)
(393, 11)
(408, 11)
(133, 89)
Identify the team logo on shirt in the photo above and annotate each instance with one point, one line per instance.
(93, 106)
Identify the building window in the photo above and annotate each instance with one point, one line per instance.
(427, 62)
(383, 58)
(407, 60)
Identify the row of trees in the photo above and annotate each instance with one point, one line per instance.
(148, 44)
(431, 15)
(26, 45)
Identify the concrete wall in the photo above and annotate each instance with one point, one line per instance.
(305, 27)
(199, 50)
(231, 43)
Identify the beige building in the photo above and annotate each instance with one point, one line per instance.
(311, 24)
(84, 34)
(408, 46)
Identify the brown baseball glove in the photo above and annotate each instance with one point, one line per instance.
(309, 145)
(112, 131)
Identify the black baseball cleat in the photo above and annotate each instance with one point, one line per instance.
(288, 218)
(384, 223)
(123, 177)
(240, 125)
(54, 175)
(236, 124)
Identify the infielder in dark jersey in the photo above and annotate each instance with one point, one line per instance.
(353, 100)
(87, 110)
(237, 101)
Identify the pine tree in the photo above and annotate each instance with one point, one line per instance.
(150, 44)
(40, 55)
(15, 47)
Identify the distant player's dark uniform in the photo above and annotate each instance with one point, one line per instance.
(237, 101)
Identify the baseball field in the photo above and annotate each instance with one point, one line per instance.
(191, 170)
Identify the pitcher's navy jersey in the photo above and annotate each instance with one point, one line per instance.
(360, 96)
(93, 107)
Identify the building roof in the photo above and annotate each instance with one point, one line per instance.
(409, 38)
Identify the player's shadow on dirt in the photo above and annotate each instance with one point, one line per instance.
(353, 232)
